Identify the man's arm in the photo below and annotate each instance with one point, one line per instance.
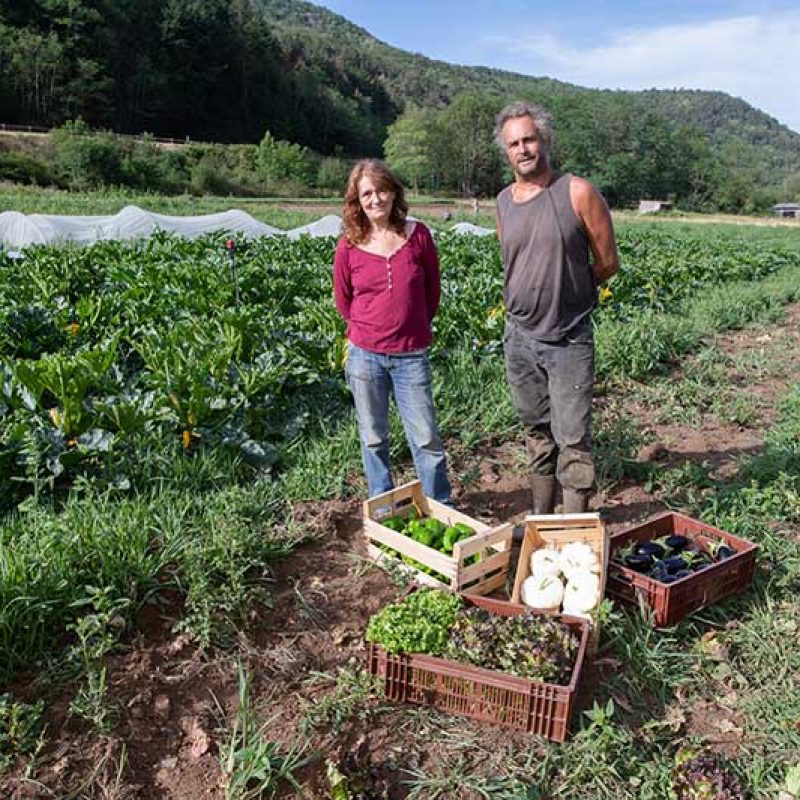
(593, 212)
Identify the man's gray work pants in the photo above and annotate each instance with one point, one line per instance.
(551, 388)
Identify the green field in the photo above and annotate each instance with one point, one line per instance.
(162, 416)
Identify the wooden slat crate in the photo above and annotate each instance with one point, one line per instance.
(492, 545)
(555, 531)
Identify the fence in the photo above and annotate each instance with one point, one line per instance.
(6, 127)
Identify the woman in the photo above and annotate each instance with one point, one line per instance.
(386, 285)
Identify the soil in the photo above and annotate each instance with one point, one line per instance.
(174, 704)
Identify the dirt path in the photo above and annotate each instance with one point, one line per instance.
(171, 700)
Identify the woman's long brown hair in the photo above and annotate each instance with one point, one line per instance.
(356, 225)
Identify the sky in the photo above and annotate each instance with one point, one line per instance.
(748, 49)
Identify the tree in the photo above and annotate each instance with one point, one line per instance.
(409, 149)
(280, 161)
(472, 160)
(32, 64)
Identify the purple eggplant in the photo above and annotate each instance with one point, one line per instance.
(676, 542)
(674, 563)
(658, 571)
(638, 562)
(719, 551)
(653, 549)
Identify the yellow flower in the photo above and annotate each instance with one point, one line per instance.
(73, 328)
(605, 294)
(186, 436)
(497, 310)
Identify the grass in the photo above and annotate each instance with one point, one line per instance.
(346, 697)
(253, 765)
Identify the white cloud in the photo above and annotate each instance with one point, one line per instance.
(754, 57)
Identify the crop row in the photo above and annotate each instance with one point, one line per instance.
(104, 347)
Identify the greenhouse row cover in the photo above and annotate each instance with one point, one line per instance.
(18, 231)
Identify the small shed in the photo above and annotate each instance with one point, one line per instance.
(790, 210)
(654, 206)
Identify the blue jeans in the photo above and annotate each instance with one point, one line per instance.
(372, 378)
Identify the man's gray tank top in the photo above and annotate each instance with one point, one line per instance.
(549, 286)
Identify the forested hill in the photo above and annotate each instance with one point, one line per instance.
(339, 46)
(233, 70)
(328, 38)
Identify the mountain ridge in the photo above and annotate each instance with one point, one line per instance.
(426, 82)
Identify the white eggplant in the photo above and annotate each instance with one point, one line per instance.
(577, 557)
(582, 592)
(544, 591)
(544, 561)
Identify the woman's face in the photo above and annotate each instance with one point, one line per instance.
(376, 202)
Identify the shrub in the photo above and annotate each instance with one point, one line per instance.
(87, 160)
(24, 169)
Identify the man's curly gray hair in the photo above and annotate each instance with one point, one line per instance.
(521, 108)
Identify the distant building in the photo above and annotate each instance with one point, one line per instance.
(791, 210)
(654, 206)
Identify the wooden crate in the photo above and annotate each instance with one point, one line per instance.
(492, 545)
(500, 699)
(670, 603)
(555, 531)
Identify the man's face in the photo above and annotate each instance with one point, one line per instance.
(524, 148)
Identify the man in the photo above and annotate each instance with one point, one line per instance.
(548, 224)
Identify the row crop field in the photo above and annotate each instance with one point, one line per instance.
(165, 408)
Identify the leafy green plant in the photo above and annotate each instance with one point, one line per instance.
(20, 728)
(252, 765)
(417, 624)
(97, 633)
(351, 697)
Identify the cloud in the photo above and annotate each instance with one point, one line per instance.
(750, 56)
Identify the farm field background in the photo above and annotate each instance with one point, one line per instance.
(286, 213)
(180, 480)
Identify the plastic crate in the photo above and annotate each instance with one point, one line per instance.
(491, 545)
(555, 531)
(482, 694)
(672, 602)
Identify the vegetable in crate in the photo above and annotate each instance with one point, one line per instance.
(582, 593)
(671, 558)
(455, 533)
(543, 591)
(395, 524)
(577, 557)
(569, 577)
(417, 624)
(528, 645)
(544, 561)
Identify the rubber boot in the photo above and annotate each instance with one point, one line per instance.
(575, 502)
(543, 489)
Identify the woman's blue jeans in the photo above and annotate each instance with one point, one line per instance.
(372, 378)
